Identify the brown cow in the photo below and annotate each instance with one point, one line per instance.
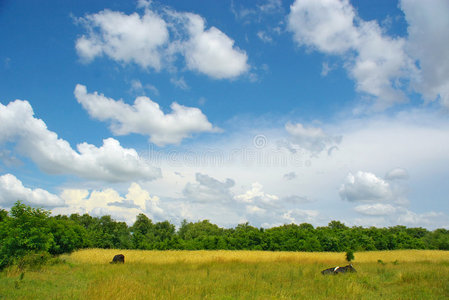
(118, 259)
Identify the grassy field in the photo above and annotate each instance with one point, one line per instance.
(87, 274)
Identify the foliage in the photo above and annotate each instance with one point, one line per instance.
(26, 231)
(349, 255)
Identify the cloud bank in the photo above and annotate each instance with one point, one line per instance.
(12, 190)
(32, 139)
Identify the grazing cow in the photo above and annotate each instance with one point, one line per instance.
(118, 259)
(336, 270)
(348, 268)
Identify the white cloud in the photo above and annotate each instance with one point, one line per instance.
(411, 218)
(365, 187)
(208, 189)
(377, 209)
(415, 141)
(380, 62)
(147, 41)
(374, 60)
(313, 139)
(144, 3)
(109, 202)
(326, 69)
(180, 83)
(211, 51)
(256, 195)
(124, 38)
(428, 42)
(397, 173)
(298, 216)
(324, 25)
(254, 209)
(12, 190)
(256, 11)
(145, 117)
(264, 37)
(138, 87)
(270, 6)
(110, 162)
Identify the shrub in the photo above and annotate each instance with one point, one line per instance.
(33, 260)
(349, 255)
(24, 233)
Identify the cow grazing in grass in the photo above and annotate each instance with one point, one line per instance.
(348, 268)
(336, 270)
(118, 259)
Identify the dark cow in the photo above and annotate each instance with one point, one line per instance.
(118, 259)
(345, 269)
(336, 270)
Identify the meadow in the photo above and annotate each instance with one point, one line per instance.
(87, 274)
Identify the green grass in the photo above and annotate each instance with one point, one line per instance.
(227, 279)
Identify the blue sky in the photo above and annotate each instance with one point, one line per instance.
(268, 112)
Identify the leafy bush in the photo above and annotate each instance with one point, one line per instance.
(25, 232)
(349, 255)
(33, 260)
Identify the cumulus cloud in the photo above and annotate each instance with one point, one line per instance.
(325, 25)
(365, 187)
(375, 60)
(256, 195)
(259, 204)
(146, 41)
(109, 202)
(145, 117)
(110, 162)
(428, 43)
(208, 189)
(210, 51)
(268, 210)
(313, 139)
(12, 190)
(384, 198)
(124, 38)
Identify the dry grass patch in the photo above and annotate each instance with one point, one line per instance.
(100, 256)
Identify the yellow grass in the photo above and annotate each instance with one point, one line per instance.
(87, 274)
(99, 256)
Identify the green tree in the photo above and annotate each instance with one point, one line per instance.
(349, 255)
(67, 234)
(3, 215)
(24, 233)
(142, 232)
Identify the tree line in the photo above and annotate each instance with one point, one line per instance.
(26, 231)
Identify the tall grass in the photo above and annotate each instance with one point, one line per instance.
(233, 275)
(95, 256)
